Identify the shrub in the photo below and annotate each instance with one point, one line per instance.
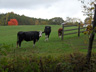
(75, 62)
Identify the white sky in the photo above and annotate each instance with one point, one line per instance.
(45, 9)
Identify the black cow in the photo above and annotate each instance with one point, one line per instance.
(28, 36)
(47, 32)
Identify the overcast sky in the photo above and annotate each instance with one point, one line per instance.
(45, 9)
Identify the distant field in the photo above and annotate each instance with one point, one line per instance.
(54, 47)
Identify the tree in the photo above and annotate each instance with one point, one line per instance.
(72, 20)
(7, 16)
(87, 20)
(88, 8)
(36, 22)
(56, 21)
(91, 38)
(89, 11)
(24, 20)
(13, 22)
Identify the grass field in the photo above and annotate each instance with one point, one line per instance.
(55, 46)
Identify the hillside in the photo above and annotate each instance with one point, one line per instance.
(24, 20)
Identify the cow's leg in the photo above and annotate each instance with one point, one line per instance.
(17, 43)
(17, 40)
(46, 37)
(20, 44)
(60, 36)
(34, 41)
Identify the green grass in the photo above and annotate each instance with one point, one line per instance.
(55, 46)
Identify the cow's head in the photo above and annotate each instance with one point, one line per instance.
(40, 33)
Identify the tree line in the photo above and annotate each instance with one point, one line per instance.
(24, 20)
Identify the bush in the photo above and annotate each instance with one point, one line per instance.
(75, 62)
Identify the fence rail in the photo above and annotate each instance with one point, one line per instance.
(78, 30)
(71, 29)
(71, 33)
(69, 25)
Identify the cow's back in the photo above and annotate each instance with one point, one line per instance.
(28, 36)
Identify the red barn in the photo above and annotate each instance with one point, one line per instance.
(13, 22)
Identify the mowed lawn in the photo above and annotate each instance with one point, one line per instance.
(55, 46)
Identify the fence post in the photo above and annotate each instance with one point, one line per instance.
(79, 30)
(62, 31)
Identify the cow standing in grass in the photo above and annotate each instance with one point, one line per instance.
(60, 32)
(28, 36)
(47, 32)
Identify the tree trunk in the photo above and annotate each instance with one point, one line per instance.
(91, 38)
(90, 47)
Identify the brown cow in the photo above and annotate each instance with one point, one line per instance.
(60, 32)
